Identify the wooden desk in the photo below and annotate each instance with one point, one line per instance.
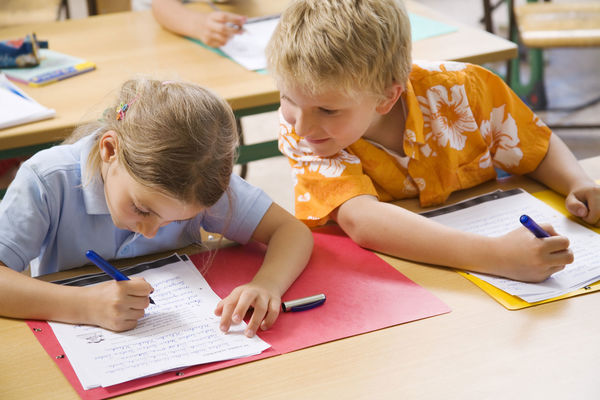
(131, 43)
(480, 350)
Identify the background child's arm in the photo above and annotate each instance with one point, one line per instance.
(214, 29)
(289, 248)
(560, 171)
(393, 230)
(112, 305)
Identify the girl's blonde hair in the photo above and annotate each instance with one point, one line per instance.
(175, 137)
(347, 45)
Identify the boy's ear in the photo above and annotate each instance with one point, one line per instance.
(108, 146)
(392, 94)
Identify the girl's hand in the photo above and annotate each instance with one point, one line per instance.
(585, 203)
(233, 308)
(524, 257)
(117, 305)
(216, 28)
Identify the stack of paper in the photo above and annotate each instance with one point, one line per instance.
(180, 330)
(497, 213)
(17, 108)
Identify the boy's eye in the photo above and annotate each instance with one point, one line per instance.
(140, 212)
(327, 111)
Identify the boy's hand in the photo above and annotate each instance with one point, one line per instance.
(585, 203)
(118, 305)
(529, 259)
(234, 307)
(216, 28)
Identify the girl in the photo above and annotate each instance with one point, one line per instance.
(145, 178)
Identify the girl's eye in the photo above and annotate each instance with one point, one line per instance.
(140, 212)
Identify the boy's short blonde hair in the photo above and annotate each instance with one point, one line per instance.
(348, 45)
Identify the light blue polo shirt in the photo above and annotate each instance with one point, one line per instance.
(50, 219)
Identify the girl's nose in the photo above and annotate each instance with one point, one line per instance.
(148, 229)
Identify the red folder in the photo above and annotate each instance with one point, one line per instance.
(364, 294)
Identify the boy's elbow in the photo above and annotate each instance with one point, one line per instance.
(356, 228)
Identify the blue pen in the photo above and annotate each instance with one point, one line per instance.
(533, 227)
(15, 91)
(305, 303)
(108, 268)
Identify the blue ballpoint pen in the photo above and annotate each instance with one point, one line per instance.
(108, 268)
(530, 224)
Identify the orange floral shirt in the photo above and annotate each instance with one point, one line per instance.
(462, 121)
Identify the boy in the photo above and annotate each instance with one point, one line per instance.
(361, 126)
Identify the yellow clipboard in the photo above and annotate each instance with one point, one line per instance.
(511, 302)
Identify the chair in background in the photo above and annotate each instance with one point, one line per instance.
(537, 26)
(16, 12)
(96, 7)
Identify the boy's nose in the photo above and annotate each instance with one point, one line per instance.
(303, 125)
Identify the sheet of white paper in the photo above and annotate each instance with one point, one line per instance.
(248, 48)
(17, 108)
(497, 217)
(179, 331)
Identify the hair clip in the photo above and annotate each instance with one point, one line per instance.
(123, 107)
(121, 110)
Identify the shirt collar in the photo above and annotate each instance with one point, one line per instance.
(93, 190)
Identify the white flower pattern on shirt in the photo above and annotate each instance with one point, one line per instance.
(448, 115)
(329, 167)
(502, 137)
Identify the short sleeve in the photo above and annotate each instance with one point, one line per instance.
(24, 219)
(516, 137)
(238, 212)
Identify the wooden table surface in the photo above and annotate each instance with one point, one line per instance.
(479, 350)
(127, 44)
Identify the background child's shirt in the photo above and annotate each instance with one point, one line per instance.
(50, 215)
(462, 121)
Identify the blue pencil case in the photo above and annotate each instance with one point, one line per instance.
(21, 53)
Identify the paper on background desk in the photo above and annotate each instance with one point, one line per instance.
(179, 331)
(248, 48)
(17, 108)
(497, 213)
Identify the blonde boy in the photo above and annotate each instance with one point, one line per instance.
(362, 126)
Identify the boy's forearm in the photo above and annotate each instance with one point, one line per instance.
(393, 230)
(28, 298)
(560, 170)
(175, 17)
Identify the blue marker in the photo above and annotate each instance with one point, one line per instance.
(305, 303)
(108, 268)
(533, 227)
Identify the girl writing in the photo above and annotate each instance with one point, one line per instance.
(145, 178)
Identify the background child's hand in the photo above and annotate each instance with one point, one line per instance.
(216, 28)
(524, 257)
(118, 305)
(585, 203)
(234, 307)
